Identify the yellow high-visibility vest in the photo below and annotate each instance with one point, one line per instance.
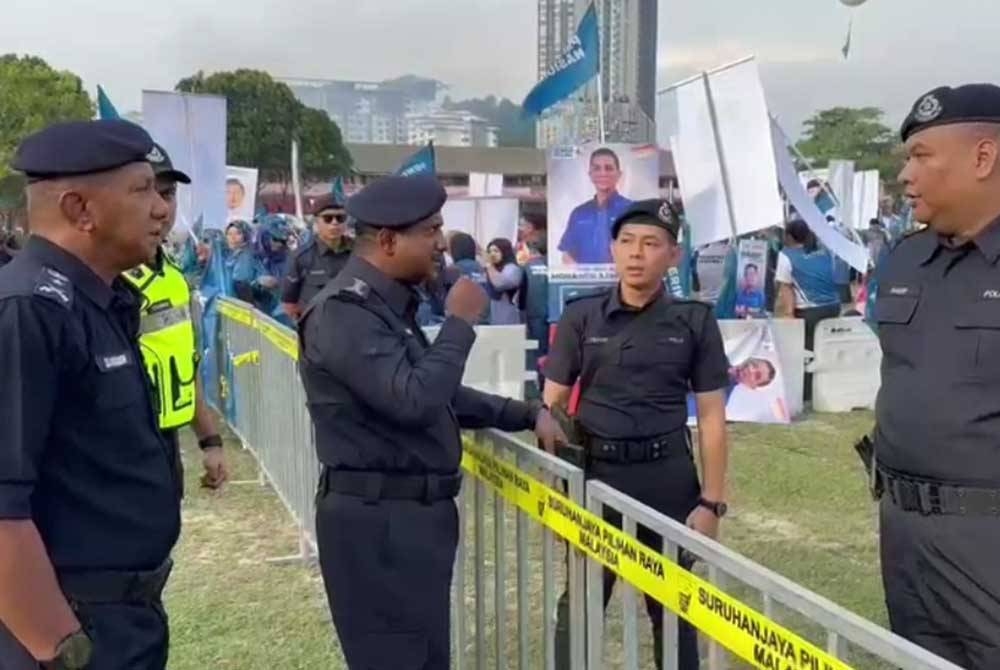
(167, 340)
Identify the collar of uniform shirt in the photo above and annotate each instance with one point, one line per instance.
(614, 302)
(397, 295)
(62, 261)
(987, 241)
(339, 248)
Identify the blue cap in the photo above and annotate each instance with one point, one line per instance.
(82, 147)
(971, 103)
(654, 212)
(397, 202)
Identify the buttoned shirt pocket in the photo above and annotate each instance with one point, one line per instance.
(894, 311)
(659, 363)
(118, 387)
(978, 330)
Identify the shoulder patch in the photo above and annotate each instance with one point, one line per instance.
(54, 286)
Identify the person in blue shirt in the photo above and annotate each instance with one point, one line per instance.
(274, 258)
(807, 287)
(242, 266)
(587, 238)
(462, 249)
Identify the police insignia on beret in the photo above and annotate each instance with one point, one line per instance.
(155, 156)
(970, 103)
(664, 213)
(928, 109)
(654, 212)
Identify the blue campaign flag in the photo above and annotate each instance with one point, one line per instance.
(105, 110)
(572, 68)
(725, 305)
(421, 162)
(337, 190)
(679, 278)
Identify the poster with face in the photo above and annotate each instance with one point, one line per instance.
(756, 390)
(588, 188)
(751, 269)
(241, 193)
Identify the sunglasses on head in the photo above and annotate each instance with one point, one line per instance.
(330, 218)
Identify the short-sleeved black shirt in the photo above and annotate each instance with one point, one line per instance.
(80, 451)
(382, 398)
(938, 313)
(640, 388)
(311, 268)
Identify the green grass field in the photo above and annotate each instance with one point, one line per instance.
(798, 502)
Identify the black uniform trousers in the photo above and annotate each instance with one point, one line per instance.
(387, 568)
(942, 583)
(670, 486)
(125, 637)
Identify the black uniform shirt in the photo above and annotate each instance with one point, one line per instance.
(382, 398)
(938, 312)
(80, 451)
(641, 383)
(311, 268)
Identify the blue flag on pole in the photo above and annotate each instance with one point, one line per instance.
(572, 68)
(422, 162)
(337, 191)
(105, 110)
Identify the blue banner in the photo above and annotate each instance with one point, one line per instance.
(337, 191)
(422, 162)
(572, 69)
(105, 110)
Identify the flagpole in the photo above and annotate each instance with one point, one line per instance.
(824, 184)
(598, 5)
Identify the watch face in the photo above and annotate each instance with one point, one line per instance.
(75, 655)
(721, 509)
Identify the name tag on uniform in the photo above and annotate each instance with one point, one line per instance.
(595, 340)
(673, 339)
(317, 272)
(991, 294)
(158, 306)
(903, 290)
(111, 362)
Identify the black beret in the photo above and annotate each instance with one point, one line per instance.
(397, 202)
(971, 103)
(653, 212)
(82, 147)
(164, 167)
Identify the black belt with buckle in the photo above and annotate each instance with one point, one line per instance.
(375, 486)
(933, 497)
(637, 451)
(97, 587)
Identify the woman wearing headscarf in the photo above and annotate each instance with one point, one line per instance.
(506, 280)
(242, 266)
(462, 249)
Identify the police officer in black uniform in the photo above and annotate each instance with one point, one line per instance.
(387, 406)
(937, 437)
(89, 509)
(637, 353)
(319, 260)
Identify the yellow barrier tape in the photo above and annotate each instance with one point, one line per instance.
(279, 338)
(238, 314)
(741, 629)
(248, 357)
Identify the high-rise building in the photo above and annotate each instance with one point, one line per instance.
(628, 71)
(451, 128)
(370, 112)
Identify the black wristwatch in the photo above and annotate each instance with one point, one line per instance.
(73, 653)
(210, 441)
(719, 509)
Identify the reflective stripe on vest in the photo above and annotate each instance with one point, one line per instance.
(167, 341)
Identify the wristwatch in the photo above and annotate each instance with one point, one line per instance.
(719, 509)
(73, 653)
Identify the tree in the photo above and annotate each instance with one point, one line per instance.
(34, 95)
(856, 134)
(513, 129)
(263, 119)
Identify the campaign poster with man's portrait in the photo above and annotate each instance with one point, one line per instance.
(589, 186)
(756, 389)
(751, 270)
(241, 193)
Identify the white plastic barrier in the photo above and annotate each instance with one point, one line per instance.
(497, 362)
(846, 365)
(789, 341)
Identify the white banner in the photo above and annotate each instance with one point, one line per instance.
(841, 180)
(485, 219)
(739, 145)
(192, 128)
(241, 193)
(866, 195)
(482, 184)
(855, 254)
(756, 391)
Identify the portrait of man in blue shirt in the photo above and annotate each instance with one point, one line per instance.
(587, 238)
(750, 299)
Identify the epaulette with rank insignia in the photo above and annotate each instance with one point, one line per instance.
(351, 288)
(54, 286)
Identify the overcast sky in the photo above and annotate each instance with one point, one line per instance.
(900, 48)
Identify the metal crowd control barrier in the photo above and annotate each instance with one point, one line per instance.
(558, 540)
